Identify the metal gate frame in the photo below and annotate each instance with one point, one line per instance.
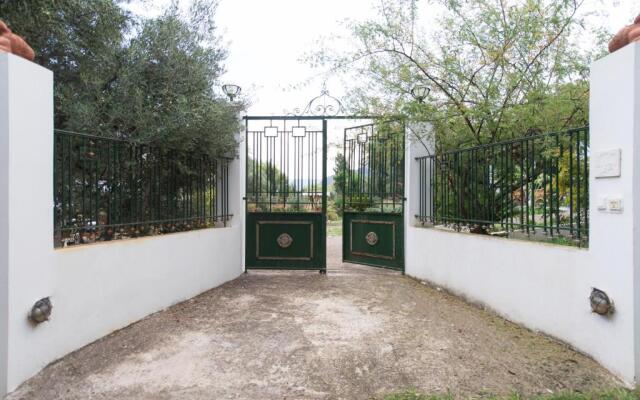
(372, 236)
(286, 239)
(316, 258)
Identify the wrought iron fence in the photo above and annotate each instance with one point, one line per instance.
(107, 189)
(284, 165)
(535, 187)
(374, 168)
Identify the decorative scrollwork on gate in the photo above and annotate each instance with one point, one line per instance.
(323, 105)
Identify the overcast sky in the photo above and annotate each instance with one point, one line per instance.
(267, 38)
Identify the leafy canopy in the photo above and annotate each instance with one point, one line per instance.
(496, 69)
(150, 80)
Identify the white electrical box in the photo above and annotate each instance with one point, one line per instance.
(614, 205)
(610, 204)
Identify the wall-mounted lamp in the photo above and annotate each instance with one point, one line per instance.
(420, 92)
(600, 302)
(231, 90)
(41, 311)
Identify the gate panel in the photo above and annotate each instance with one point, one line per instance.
(285, 240)
(374, 239)
(286, 193)
(373, 195)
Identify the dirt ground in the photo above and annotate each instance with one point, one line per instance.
(356, 333)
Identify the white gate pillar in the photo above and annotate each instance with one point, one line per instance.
(419, 143)
(26, 207)
(614, 202)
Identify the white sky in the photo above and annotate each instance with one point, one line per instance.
(267, 38)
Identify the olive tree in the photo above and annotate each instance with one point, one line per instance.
(150, 80)
(496, 69)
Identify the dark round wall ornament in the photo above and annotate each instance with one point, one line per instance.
(600, 302)
(41, 310)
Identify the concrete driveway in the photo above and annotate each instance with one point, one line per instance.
(356, 333)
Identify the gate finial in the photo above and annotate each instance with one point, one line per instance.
(324, 104)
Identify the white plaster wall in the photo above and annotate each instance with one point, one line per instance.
(546, 287)
(4, 224)
(238, 203)
(419, 143)
(127, 280)
(95, 289)
(636, 205)
(27, 104)
(543, 287)
(614, 238)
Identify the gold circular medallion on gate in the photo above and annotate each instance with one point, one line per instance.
(284, 240)
(371, 238)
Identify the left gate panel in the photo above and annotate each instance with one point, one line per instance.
(286, 197)
(285, 240)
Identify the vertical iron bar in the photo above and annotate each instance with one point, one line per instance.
(323, 225)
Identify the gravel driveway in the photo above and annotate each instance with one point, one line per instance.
(355, 333)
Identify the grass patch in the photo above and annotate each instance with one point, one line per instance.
(334, 228)
(613, 394)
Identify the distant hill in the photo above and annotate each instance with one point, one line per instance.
(307, 182)
(329, 180)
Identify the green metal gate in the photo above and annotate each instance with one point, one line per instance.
(286, 193)
(373, 195)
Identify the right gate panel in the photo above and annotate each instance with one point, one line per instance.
(373, 239)
(373, 195)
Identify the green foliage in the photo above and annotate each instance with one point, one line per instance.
(338, 204)
(565, 241)
(167, 78)
(340, 178)
(332, 213)
(267, 178)
(149, 80)
(411, 395)
(339, 174)
(79, 40)
(612, 394)
(334, 228)
(360, 202)
(496, 69)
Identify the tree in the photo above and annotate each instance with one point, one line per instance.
(163, 93)
(78, 40)
(148, 80)
(338, 174)
(497, 69)
(340, 178)
(267, 179)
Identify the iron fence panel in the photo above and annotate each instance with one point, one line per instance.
(536, 185)
(108, 188)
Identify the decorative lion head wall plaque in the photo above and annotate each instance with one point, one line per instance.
(14, 44)
(626, 35)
